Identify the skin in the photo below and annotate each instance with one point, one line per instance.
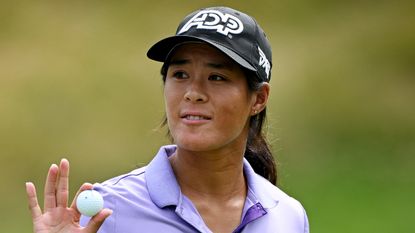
(208, 106)
(208, 163)
(56, 215)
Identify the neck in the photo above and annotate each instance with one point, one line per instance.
(216, 175)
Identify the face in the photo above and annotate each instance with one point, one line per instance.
(208, 104)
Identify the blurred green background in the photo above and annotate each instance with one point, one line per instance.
(75, 82)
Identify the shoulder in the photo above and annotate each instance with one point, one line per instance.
(278, 194)
(125, 187)
(127, 196)
(283, 211)
(123, 181)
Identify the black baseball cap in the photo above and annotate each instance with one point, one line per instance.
(233, 32)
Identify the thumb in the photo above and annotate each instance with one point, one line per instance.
(96, 221)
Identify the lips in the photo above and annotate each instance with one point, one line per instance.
(193, 116)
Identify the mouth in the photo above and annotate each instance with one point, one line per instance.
(195, 117)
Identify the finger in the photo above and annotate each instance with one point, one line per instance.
(32, 199)
(95, 222)
(83, 187)
(62, 190)
(50, 188)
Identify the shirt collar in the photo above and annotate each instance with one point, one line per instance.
(161, 181)
(260, 190)
(164, 189)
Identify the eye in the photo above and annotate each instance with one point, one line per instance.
(180, 75)
(216, 78)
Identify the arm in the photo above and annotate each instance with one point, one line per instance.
(57, 216)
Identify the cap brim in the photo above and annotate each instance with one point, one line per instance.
(161, 50)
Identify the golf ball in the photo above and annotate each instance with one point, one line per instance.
(89, 202)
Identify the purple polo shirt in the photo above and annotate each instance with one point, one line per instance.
(149, 199)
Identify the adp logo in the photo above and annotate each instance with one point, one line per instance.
(263, 62)
(214, 20)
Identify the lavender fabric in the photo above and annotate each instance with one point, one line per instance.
(149, 200)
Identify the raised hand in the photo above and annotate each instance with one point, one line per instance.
(57, 216)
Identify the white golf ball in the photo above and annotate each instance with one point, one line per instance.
(89, 202)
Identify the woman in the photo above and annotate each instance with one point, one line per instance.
(219, 176)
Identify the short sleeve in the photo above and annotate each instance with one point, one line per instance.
(306, 224)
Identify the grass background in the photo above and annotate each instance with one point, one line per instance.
(75, 83)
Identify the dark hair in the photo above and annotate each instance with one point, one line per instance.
(257, 151)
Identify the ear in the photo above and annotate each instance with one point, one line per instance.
(260, 98)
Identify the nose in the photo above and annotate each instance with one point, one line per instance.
(195, 92)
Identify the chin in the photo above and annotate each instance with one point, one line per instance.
(195, 143)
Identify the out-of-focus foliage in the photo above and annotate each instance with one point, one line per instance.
(75, 83)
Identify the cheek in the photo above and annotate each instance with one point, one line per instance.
(168, 106)
(236, 110)
(169, 94)
(172, 99)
